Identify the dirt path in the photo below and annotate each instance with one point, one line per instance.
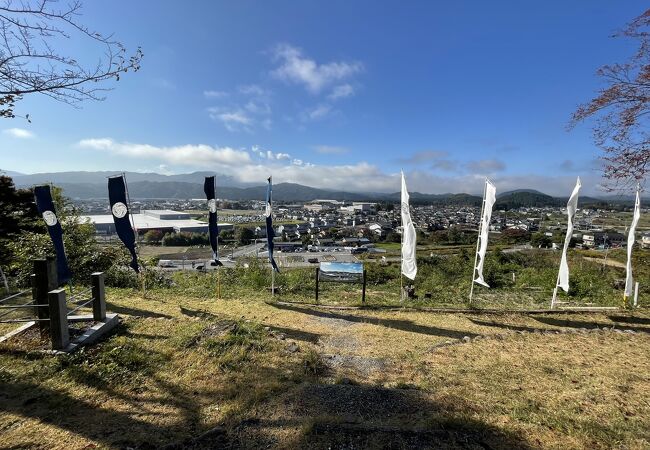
(608, 262)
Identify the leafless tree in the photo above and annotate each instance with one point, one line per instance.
(30, 32)
(621, 111)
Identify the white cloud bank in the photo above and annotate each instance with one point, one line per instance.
(255, 165)
(186, 155)
(19, 133)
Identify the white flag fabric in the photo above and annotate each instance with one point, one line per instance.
(409, 265)
(490, 199)
(571, 208)
(629, 280)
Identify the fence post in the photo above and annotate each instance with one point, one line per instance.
(44, 280)
(59, 333)
(99, 296)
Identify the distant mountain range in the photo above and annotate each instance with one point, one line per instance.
(91, 185)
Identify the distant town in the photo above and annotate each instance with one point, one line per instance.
(349, 229)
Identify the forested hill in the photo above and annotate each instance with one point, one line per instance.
(88, 185)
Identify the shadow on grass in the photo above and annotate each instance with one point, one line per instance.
(570, 323)
(197, 313)
(356, 416)
(399, 324)
(112, 307)
(505, 326)
(297, 335)
(631, 319)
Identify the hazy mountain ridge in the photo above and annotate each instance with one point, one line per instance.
(88, 185)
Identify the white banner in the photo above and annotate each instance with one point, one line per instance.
(409, 265)
(490, 199)
(629, 280)
(571, 208)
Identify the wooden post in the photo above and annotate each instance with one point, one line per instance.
(317, 272)
(99, 296)
(363, 290)
(59, 333)
(44, 280)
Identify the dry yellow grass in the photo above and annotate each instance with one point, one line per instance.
(337, 379)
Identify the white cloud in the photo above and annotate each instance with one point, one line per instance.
(319, 112)
(341, 91)
(214, 94)
(253, 112)
(298, 69)
(359, 177)
(19, 133)
(273, 156)
(232, 120)
(185, 155)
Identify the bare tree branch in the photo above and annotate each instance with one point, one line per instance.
(29, 32)
(621, 112)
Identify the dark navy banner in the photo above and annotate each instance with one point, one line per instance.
(270, 234)
(45, 207)
(213, 227)
(120, 211)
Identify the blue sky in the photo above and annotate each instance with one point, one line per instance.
(339, 94)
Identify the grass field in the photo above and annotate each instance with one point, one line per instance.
(243, 373)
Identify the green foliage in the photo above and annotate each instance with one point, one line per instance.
(123, 276)
(237, 345)
(18, 214)
(540, 240)
(117, 361)
(153, 236)
(84, 254)
(244, 235)
(515, 236)
(184, 238)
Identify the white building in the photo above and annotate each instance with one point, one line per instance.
(165, 220)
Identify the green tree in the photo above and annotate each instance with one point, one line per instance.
(153, 236)
(84, 254)
(244, 235)
(18, 214)
(540, 240)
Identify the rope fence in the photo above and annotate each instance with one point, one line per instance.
(51, 308)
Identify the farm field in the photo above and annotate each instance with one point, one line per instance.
(245, 373)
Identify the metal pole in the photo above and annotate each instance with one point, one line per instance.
(272, 281)
(218, 284)
(317, 271)
(635, 304)
(478, 240)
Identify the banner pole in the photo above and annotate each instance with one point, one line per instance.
(478, 240)
(272, 281)
(635, 303)
(137, 252)
(218, 284)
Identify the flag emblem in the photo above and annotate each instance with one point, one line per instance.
(119, 210)
(50, 218)
(212, 205)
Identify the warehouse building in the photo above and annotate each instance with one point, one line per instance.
(165, 220)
